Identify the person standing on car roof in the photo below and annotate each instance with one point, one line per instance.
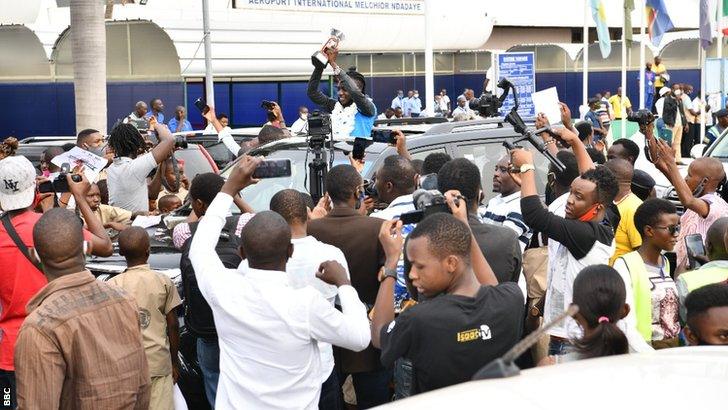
(353, 113)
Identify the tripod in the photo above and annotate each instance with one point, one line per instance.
(317, 168)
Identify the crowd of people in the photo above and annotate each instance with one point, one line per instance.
(317, 304)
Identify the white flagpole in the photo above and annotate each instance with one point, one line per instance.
(720, 28)
(702, 95)
(429, 68)
(641, 82)
(623, 110)
(585, 56)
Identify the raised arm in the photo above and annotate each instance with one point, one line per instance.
(315, 95)
(390, 236)
(223, 135)
(663, 156)
(363, 104)
(583, 159)
(100, 243)
(206, 263)
(166, 143)
(483, 272)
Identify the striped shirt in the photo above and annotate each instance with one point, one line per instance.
(506, 211)
(692, 223)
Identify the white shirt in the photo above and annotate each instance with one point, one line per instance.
(308, 255)
(659, 105)
(400, 205)
(300, 126)
(127, 182)
(506, 211)
(267, 330)
(444, 101)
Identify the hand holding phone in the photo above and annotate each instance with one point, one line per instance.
(201, 105)
(273, 168)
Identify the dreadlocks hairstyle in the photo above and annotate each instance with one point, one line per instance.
(126, 141)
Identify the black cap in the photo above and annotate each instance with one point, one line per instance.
(642, 184)
(721, 113)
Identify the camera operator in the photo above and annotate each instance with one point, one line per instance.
(477, 319)
(353, 113)
(127, 175)
(498, 244)
(583, 237)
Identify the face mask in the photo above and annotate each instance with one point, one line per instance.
(400, 95)
(100, 150)
(46, 173)
(590, 213)
(417, 96)
(304, 117)
(678, 93)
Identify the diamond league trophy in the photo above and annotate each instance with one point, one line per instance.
(333, 42)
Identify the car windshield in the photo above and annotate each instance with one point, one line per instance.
(721, 148)
(259, 195)
(195, 162)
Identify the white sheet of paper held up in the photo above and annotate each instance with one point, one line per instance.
(547, 102)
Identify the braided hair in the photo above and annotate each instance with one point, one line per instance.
(126, 141)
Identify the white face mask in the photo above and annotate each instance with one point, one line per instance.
(678, 92)
(304, 117)
(416, 96)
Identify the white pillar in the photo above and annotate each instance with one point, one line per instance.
(641, 82)
(209, 88)
(429, 63)
(585, 55)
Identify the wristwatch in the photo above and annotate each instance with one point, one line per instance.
(534, 311)
(527, 167)
(385, 273)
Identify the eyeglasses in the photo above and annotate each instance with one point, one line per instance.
(672, 229)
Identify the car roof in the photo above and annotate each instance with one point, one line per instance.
(250, 132)
(614, 382)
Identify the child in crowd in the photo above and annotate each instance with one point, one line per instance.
(157, 299)
(707, 315)
(599, 292)
(651, 291)
(168, 203)
(111, 217)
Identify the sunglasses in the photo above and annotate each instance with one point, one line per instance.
(672, 229)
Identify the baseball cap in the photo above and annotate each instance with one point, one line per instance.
(17, 183)
(664, 90)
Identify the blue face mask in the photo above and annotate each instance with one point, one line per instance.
(400, 95)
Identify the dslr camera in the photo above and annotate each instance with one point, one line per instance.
(642, 117)
(427, 202)
(319, 124)
(60, 184)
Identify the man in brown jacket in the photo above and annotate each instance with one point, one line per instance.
(81, 345)
(358, 238)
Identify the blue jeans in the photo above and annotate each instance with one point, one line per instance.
(559, 347)
(8, 389)
(402, 378)
(208, 355)
(372, 388)
(330, 398)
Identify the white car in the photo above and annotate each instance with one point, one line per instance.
(679, 378)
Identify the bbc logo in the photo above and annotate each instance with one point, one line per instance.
(6, 396)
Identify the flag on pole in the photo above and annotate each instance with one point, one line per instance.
(628, 7)
(658, 21)
(600, 18)
(708, 10)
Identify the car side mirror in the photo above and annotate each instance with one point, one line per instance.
(697, 151)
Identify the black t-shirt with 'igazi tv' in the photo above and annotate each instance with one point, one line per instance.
(450, 337)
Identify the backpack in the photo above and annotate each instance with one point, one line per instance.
(198, 314)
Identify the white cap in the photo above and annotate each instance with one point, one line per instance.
(17, 183)
(664, 90)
